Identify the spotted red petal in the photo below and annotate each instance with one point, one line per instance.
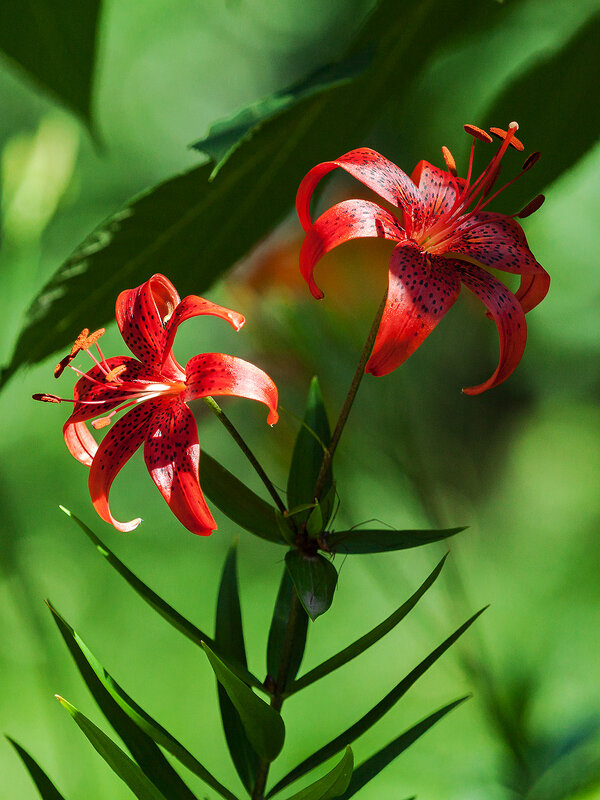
(352, 219)
(421, 289)
(80, 442)
(117, 447)
(438, 188)
(497, 241)
(508, 315)
(217, 374)
(370, 168)
(172, 455)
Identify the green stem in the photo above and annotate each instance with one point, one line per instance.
(356, 380)
(214, 406)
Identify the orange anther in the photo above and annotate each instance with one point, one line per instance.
(114, 373)
(473, 130)
(101, 423)
(93, 338)
(450, 162)
(502, 134)
(531, 207)
(79, 342)
(47, 398)
(531, 160)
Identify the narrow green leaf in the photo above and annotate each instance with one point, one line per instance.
(314, 578)
(45, 787)
(55, 44)
(156, 602)
(237, 501)
(229, 638)
(384, 541)
(278, 630)
(331, 785)
(138, 729)
(263, 724)
(374, 715)
(313, 437)
(117, 760)
(373, 766)
(360, 645)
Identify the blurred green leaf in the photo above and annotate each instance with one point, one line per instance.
(55, 43)
(45, 787)
(117, 760)
(331, 785)
(156, 602)
(369, 639)
(372, 716)
(373, 766)
(229, 638)
(278, 631)
(263, 724)
(315, 579)
(237, 501)
(384, 541)
(138, 729)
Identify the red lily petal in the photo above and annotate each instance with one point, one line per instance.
(439, 190)
(370, 168)
(117, 447)
(141, 316)
(499, 242)
(172, 455)
(508, 315)
(80, 442)
(534, 287)
(421, 289)
(352, 219)
(217, 374)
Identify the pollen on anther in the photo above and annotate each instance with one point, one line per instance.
(92, 338)
(478, 133)
(450, 162)
(47, 398)
(79, 342)
(531, 207)
(502, 134)
(101, 423)
(114, 373)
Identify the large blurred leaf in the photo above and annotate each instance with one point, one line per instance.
(370, 638)
(54, 41)
(331, 785)
(199, 228)
(287, 607)
(372, 716)
(384, 541)
(315, 579)
(45, 787)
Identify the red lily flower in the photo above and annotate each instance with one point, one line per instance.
(156, 389)
(445, 239)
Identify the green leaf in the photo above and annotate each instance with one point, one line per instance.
(229, 638)
(278, 630)
(117, 760)
(138, 729)
(309, 449)
(373, 766)
(239, 503)
(331, 785)
(45, 787)
(156, 602)
(263, 724)
(372, 716)
(315, 579)
(384, 541)
(360, 645)
(189, 220)
(55, 44)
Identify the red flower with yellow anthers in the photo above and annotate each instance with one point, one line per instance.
(445, 237)
(156, 390)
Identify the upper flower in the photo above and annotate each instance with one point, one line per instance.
(445, 237)
(156, 389)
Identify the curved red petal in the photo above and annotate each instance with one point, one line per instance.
(370, 168)
(438, 188)
(141, 316)
(498, 242)
(172, 455)
(508, 315)
(421, 289)
(80, 442)
(534, 287)
(352, 219)
(217, 374)
(117, 447)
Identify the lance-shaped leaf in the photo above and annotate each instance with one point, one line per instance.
(373, 766)
(289, 620)
(374, 715)
(314, 578)
(384, 541)
(229, 638)
(117, 760)
(262, 723)
(167, 612)
(310, 447)
(137, 728)
(45, 787)
(237, 501)
(55, 43)
(360, 645)
(331, 785)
